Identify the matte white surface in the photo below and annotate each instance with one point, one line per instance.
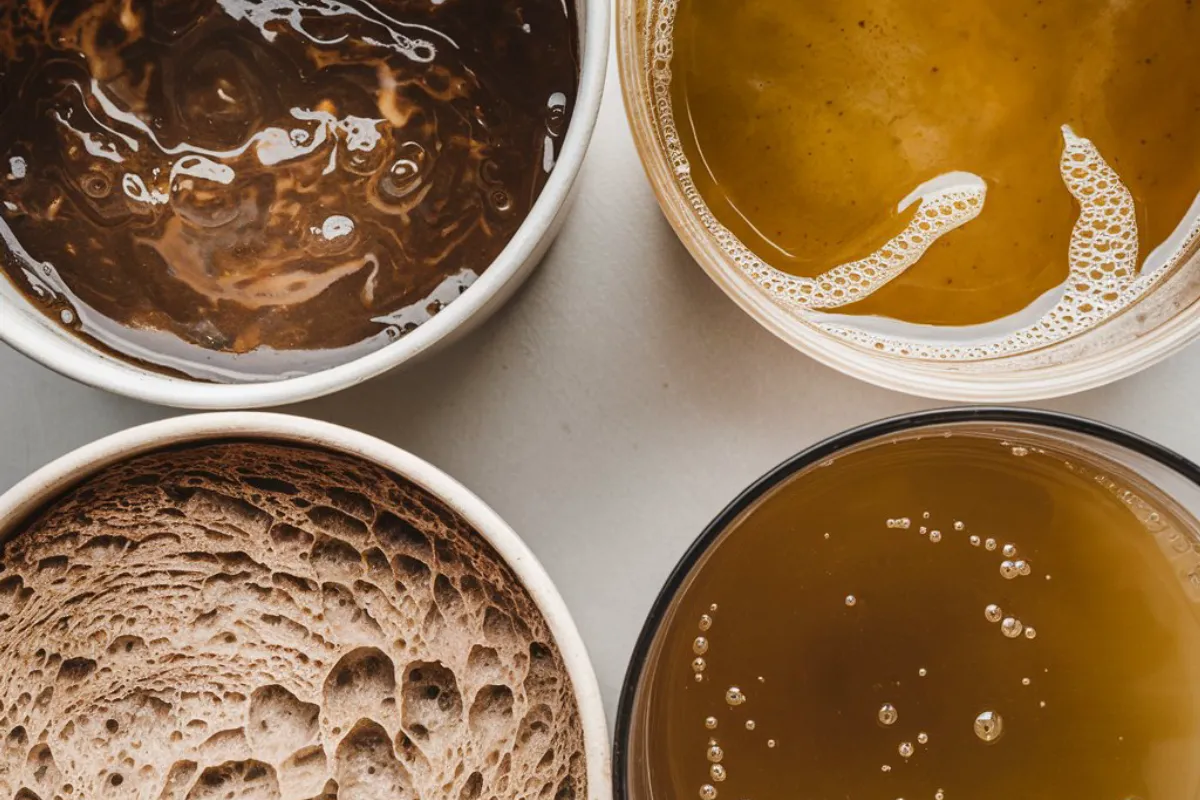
(607, 413)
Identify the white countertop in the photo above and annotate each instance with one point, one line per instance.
(607, 413)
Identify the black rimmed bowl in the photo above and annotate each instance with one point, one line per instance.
(1137, 459)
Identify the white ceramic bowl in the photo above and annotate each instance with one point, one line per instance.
(27, 330)
(49, 481)
(1143, 334)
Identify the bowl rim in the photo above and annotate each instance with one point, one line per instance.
(24, 330)
(824, 449)
(30, 494)
(911, 377)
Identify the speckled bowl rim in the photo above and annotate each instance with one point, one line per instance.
(56, 477)
(829, 448)
(24, 330)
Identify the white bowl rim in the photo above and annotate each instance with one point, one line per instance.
(89, 366)
(27, 496)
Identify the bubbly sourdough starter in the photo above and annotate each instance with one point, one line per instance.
(266, 621)
(255, 189)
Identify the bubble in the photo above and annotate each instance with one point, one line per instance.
(923, 530)
(993, 613)
(770, 742)
(1041, 704)
(1008, 570)
(699, 677)
(713, 607)
(734, 696)
(922, 672)
(749, 724)
(827, 536)
(851, 600)
(1023, 566)
(1020, 451)
(717, 772)
(922, 738)
(906, 749)
(939, 795)
(885, 768)
(988, 726)
(67, 316)
(700, 646)
(888, 714)
(705, 622)
(958, 526)
(708, 792)
(715, 754)
(1030, 633)
(990, 544)
(710, 722)
(1009, 550)
(699, 664)
(1025, 681)
(925, 515)
(935, 536)
(975, 540)
(1011, 627)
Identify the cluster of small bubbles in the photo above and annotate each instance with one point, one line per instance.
(975, 540)
(1020, 451)
(903, 523)
(935, 536)
(993, 613)
(1009, 550)
(906, 749)
(734, 696)
(717, 772)
(715, 753)
(710, 722)
(705, 622)
(922, 738)
(851, 599)
(1030, 633)
(749, 724)
(1008, 569)
(989, 726)
(1011, 627)
(888, 714)
(708, 792)
(990, 544)
(700, 646)
(922, 672)
(1022, 566)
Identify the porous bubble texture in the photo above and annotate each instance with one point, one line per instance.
(1103, 278)
(251, 620)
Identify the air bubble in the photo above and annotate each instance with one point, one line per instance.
(1020, 451)
(935, 536)
(925, 515)
(708, 792)
(67, 316)
(1030, 633)
(851, 600)
(715, 754)
(1009, 550)
(705, 622)
(1008, 570)
(888, 714)
(700, 646)
(734, 696)
(993, 613)
(699, 664)
(710, 722)
(988, 726)
(885, 768)
(717, 772)
(922, 672)
(990, 544)
(1023, 567)
(770, 742)
(699, 677)
(1025, 681)
(922, 738)
(939, 795)
(958, 526)
(749, 724)
(975, 540)
(906, 749)
(1011, 627)
(713, 607)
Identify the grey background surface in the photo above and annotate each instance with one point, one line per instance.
(607, 413)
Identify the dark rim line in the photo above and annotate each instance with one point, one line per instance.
(818, 452)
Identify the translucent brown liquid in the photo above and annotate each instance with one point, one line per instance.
(821, 614)
(806, 123)
(254, 189)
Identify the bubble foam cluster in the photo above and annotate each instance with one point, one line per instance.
(266, 621)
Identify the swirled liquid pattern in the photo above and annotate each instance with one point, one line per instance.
(244, 190)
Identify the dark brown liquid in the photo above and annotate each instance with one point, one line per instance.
(1102, 703)
(253, 189)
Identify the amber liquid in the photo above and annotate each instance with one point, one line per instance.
(806, 123)
(1103, 702)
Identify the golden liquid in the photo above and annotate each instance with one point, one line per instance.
(807, 121)
(1103, 704)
